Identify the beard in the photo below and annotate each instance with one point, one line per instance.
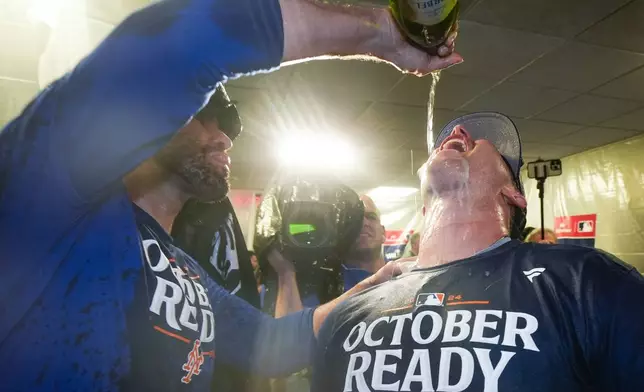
(186, 158)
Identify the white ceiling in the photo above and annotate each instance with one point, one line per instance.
(571, 73)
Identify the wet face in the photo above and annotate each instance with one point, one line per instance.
(372, 235)
(198, 156)
(461, 164)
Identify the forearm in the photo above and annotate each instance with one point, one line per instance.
(266, 346)
(288, 295)
(255, 342)
(285, 345)
(323, 311)
(314, 28)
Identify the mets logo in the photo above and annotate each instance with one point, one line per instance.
(193, 364)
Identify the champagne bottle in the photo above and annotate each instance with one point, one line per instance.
(426, 23)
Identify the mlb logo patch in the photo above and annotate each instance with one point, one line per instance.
(430, 299)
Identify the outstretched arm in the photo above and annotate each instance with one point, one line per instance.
(388, 272)
(251, 340)
(121, 104)
(316, 29)
(255, 342)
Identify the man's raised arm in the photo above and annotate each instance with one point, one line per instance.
(316, 29)
(121, 104)
(153, 72)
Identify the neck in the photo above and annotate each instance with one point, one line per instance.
(365, 259)
(455, 232)
(156, 192)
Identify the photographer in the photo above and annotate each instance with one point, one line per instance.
(362, 260)
(365, 256)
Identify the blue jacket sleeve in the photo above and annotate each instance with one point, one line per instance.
(615, 344)
(255, 342)
(123, 102)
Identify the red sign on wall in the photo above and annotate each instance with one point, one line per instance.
(397, 237)
(576, 226)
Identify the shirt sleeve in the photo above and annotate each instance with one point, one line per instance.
(616, 343)
(123, 102)
(255, 342)
(321, 370)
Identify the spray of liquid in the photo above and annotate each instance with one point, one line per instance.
(435, 78)
(459, 168)
(447, 195)
(448, 204)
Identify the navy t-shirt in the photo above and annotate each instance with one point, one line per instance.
(521, 317)
(350, 278)
(93, 293)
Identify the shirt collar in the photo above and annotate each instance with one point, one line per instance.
(495, 245)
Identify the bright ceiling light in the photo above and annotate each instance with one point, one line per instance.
(386, 193)
(47, 11)
(323, 151)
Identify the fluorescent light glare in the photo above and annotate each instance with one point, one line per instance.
(316, 151)
(387, 193)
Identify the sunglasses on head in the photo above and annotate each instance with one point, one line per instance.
(227, 118)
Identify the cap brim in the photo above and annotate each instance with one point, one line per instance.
(496, 129)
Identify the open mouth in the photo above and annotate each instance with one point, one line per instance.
(455, 144)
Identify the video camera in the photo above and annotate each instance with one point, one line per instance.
(313, 222)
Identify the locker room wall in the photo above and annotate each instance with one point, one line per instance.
(607, 181)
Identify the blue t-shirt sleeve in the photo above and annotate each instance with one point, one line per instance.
(253, 341)
(123, 102)
(320, 375)
(615, 347)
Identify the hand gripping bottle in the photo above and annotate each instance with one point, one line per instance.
(426, 23)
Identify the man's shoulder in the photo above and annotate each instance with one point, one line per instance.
(204, 215)
(568, 265)
(566, 258)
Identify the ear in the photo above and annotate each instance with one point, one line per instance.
(514, 197)
(384, 234)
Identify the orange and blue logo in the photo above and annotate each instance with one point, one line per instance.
(193, 364)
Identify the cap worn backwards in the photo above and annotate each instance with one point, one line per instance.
(499, 130)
